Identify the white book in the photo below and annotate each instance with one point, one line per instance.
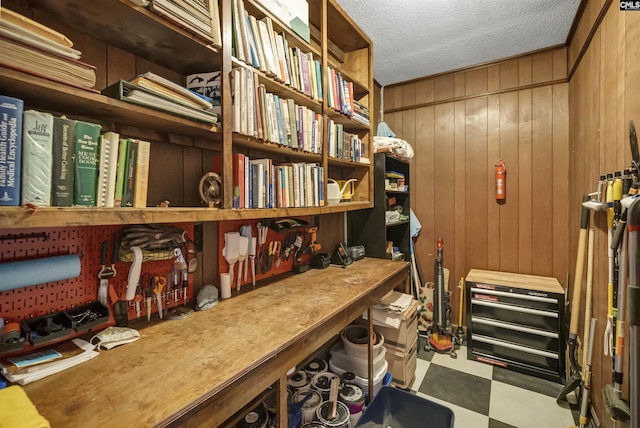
(37, 158)
(282, 61)
(237, 35)
(243, 100)
(107, 169)
(267, 47)
(258, 41)
(243, 32)
(251, 105)
(235, 78)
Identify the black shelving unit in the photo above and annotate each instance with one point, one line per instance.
(369, 227)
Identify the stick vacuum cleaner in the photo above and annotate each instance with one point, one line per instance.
(440, 334)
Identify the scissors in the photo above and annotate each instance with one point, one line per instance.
(159, 283)
(274, 247)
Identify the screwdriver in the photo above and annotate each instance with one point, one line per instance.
(175, 287)
(160, 282)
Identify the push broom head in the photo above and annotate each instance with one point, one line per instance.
(616, 407)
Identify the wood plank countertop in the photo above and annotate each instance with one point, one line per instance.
(216, 361)
(516, 280)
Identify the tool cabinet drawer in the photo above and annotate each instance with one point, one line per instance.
(519, 334)
(515, 321)
(513, 353)
(516, 297)
(536, 318)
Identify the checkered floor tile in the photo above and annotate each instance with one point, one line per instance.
(484, 396)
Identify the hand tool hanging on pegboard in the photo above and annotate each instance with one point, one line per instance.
(107, 271)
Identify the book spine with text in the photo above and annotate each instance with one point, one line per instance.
(64, 147)
(86, 168)
(37, 152)
(10, 150)
(141, 181)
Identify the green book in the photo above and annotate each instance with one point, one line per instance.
(123, 149)
(86, 168)
(64, 147)
(130, 173)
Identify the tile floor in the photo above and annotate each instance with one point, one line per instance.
(484, 396)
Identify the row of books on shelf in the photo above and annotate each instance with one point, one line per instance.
(259, 183)
(360, 113)
(199, 17)
(32, 48)
(345, 145)
(57, 161)
(256, 43)
(265, 115)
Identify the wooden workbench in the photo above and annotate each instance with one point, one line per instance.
(201, 370)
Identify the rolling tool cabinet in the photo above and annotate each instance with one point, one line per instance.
(515, 321)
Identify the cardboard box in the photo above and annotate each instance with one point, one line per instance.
(408, 331)
(293, 13)
(402, 364)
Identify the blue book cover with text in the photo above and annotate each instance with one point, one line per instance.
(10, 150)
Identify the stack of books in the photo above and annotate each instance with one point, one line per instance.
(360, 113)
(158, 93)
(257, 44)
(32, 48)
(57, 161)
(199, 17)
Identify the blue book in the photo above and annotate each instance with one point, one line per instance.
(10, 150)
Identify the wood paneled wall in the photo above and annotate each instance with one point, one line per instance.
(604, 62)
(459, 124)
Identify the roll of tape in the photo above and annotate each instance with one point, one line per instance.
(11, 333)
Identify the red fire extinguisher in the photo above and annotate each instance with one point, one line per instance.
(501, 180)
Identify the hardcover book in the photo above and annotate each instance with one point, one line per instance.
(37, 152)
(141, 180)
(64, 147)
(86, 167)
(10, 150)
(123, 150)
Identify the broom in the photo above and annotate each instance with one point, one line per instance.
(383, 128)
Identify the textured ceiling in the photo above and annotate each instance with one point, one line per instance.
(419, 38)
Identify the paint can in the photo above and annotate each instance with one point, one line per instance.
(342, 415)
(256, 418)
(313, 425)
(311, 404)
(322, 383)
(315, 366)
(298, 381)
(353, 396)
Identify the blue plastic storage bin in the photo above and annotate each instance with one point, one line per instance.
(399, 409)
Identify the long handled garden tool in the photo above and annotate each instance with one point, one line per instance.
(586, 376)
(633, 290)
(576, 378)
(633, 218)
(608, 337)
(612, 393)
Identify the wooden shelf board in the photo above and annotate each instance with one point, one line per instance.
(22, 217)
(344, 162)
(281, 151)
(136, 29)
(45, 94)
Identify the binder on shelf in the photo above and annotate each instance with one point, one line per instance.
(126, 91)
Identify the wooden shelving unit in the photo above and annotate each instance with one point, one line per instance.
(146, 41)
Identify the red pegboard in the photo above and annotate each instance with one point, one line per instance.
(38, 300)
(272, 235)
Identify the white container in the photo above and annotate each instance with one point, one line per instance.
(378, 377)
(360, 350)
(356, 364)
